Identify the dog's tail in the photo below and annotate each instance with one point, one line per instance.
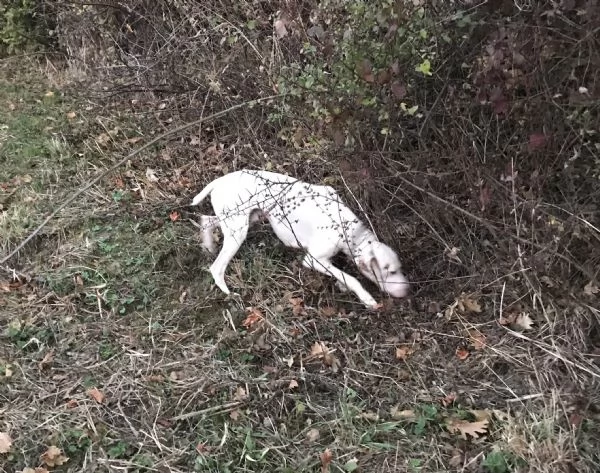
(203, 193)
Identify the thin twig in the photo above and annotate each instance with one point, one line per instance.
(489, 224)
(219, 408)
(123, 161)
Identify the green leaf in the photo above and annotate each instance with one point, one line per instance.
(424, 68)
(351, 465)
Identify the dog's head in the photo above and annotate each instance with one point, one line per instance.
(380, 264)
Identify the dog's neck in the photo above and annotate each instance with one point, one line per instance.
(362, 238)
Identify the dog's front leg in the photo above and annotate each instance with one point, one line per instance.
(323, 265)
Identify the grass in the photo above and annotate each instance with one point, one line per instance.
(120, 300)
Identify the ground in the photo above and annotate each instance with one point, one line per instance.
(117, 353)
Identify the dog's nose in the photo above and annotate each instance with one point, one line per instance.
(399, 289)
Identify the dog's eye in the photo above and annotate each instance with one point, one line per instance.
(393, 272)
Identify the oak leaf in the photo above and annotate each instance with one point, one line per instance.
(464, 428)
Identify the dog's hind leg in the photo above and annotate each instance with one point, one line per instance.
(235, 230)
(208, 223)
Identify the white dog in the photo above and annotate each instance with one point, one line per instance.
(302, 215)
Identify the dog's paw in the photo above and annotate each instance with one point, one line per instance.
(375, 306)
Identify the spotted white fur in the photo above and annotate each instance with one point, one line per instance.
(307, 216)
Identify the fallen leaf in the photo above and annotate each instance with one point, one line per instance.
(174, 216)
(49, 94)
(240, 394)
(151, 175)
(398, 90)
(133, 140)
(536, 141)
(47, 360)
(329, 311)
(524, 321)
(254, 316)
(297, 305)
(462, 353)
(5, 442)
(468, 304)
(313, 435)
(53, 457)
(280, 28)
(39, 469)
(591, 289)
(448, 400)
(326, 458)
(8, 372)
(201, 447)
(96, 395)
(403, 352)
(364, 69)
(119, 183)
(319, 349)
(71, 115)
(293, 384)
(72, 403)
(407, 415)
(464, 428)
(235, 414)
(477, 339)
(485, 195)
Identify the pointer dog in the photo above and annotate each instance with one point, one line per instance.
(306, 216)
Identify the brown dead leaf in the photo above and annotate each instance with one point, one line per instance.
(364, 69)
(407, 415)
(235, 414)
(464, 428)
(254, 316)
(448, 400)
(293, 384)
(240, 394)
(329, 311)
(71, 115)
(319, 349)
(53, 457)
(313, 435)
(403, 352)
(280, 28)
(524, 321)
(72, 403)
(96, 395)
(47, 360)
(174, 216)
(468, 304)
(591, 289)
(398, 89)
(462, 353)
(536, 141)
(5, 442)
(477, 339)
(326, 458)
(297, 305)
(39, 469)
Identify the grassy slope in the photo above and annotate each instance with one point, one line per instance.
(120, 301)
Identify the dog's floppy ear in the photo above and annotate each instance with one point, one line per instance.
(374, 265)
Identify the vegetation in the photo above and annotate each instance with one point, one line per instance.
(467, 131)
